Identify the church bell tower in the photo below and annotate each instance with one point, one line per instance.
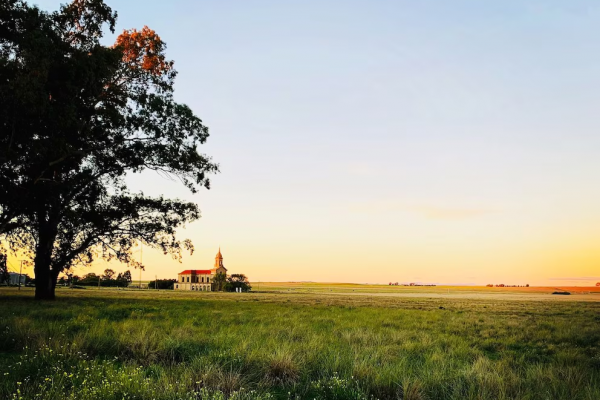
(219, 259)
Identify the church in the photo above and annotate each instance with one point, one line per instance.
(200, 279)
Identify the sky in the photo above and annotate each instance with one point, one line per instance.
(387, 141)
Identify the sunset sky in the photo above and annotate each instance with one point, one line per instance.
(451, 142)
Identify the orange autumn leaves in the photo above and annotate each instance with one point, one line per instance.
(144, 50)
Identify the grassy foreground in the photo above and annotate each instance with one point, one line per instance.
(165, 345)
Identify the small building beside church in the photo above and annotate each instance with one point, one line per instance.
(200, 279)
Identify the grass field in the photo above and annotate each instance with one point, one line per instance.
(448, 292)
(305, 341)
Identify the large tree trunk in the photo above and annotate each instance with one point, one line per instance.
(45, 277)
(45, 283)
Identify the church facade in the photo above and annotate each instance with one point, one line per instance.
(200, 279)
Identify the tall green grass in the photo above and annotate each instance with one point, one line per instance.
(211, 346)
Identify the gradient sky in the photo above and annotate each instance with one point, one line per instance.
(376, 141)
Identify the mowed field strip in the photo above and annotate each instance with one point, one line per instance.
(536, 293)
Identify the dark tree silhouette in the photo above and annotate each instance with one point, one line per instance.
(4, 276)
(127, 276)
(76, 117)
(108, 274)
(237, 281)
(218, 282)
(162, 284)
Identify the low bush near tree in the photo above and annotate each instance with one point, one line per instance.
(162, 284)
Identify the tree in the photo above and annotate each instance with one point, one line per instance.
(76, 117)
(162, 284)
(127, 276)
(218, 282)
(4, 276)
(108, 274)
(89, 279)
(124, 279)
(73, 279)
(237, 281)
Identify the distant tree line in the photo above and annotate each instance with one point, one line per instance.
(411, 284)
(108, 279)
(162, 284)
(220, 283)
(503, 285)
(235, 281)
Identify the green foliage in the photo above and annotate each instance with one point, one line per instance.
(174, 345)
(107, 279)
(77, 376)
(124, 279)
(76, 117)
(89, 279)
(336, 388)
(162, 284)
(127, 276)
(235, 281)
(218, 282)
(108, 274)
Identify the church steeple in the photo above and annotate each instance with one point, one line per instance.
(219, 259)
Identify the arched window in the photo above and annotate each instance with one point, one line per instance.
(207, 279)
(188, 279)
(183, 279)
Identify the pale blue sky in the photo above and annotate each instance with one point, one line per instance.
(375, 141)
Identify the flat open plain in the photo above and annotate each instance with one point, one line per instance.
(302, 341)
(537, 293)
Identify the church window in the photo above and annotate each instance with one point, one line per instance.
(188, 279)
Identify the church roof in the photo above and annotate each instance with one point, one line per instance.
(196, 271)
(219, 256)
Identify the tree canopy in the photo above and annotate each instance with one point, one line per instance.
(235, 281)
(76, 117)
(219, 281)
